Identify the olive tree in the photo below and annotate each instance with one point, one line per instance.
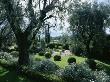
(86, 22)
(37, 11)
(5, 30)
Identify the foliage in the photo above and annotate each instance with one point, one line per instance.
(25, 32)
(54, 45)
(48, 55)
(74, 73)
(6, 34)
(86, 22)
(30, 75)
(45, 66)
(49, 50)
(101, 76)
(79, 51)
(51, 45)
(71, 60)
(91, 63)
(66, 46)
(57, 58)
(63, 61)
(41, 53)
(65, 38)
(14, 53)
(5, 56)
(11, 76)
(99, 47)
(82, 73)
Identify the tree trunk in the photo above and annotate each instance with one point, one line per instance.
(88, 50)
(23, 50)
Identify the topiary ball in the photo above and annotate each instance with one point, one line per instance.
(48, 55)
(57, 58)
(71, 60)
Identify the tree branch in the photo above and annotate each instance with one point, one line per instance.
(11, 17)
(38, 22)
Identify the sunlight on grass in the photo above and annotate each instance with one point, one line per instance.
(63, 61)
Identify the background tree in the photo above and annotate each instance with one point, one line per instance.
(47, 34)
(5, 30)
(87, 21)
(6, 35)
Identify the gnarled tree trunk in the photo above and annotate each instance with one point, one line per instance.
(23, 46)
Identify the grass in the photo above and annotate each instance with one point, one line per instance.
(11, 76)
(63, 61)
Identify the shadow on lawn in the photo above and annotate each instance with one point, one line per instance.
(11, 76)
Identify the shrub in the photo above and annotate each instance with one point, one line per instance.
(71, 60)
(66, 47)
(79, 51)
(101, 76)
(57, 58)
(49, 50)
(54, 45)
(14, 53)
(41, 53)
(45, 66)
(7, 58)
(51, 45)
(75, 73)
(91, 63)
(48, 55)
(82, 73)
(59, 47)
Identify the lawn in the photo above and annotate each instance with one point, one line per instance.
(63, 61)
(11, 76)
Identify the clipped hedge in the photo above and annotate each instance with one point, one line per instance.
(91, 63)
(41, 53)
(71, 60)
(48, 55)
(57, 58)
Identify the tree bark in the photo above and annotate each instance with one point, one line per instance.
(23, 50)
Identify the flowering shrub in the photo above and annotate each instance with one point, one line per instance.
(101, 76)
(7, 58)
(45, 66)
(5, 55)
(82, 73)
(14, 53)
